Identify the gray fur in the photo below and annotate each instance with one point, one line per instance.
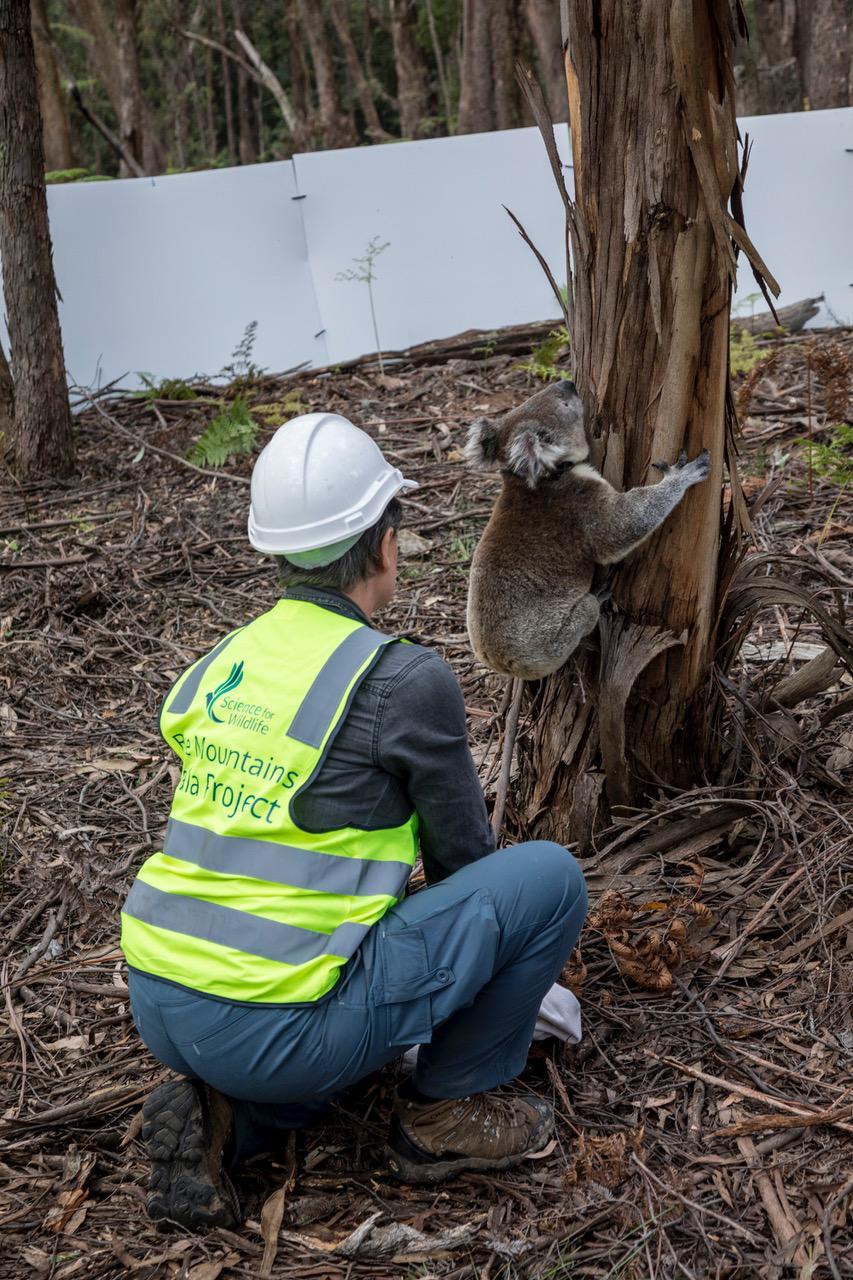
(530, 597)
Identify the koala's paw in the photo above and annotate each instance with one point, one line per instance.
(691, 472)
(699, 469)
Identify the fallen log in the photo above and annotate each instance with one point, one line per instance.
(791, 318)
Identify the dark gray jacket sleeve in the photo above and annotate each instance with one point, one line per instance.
(422, 739)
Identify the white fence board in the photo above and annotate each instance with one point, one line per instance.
(455, 261)
(798, 205)
(163, 275)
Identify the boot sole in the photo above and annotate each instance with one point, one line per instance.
(418, 1167)
(186, 1186)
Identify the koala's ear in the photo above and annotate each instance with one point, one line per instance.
(481, 448)
(531, 457)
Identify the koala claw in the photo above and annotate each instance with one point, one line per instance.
(698, 468)
(701, 465)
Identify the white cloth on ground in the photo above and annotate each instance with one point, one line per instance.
(559, 1016)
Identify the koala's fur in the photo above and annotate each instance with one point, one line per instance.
(529, 598)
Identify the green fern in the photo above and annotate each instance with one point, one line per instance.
(168, 389)
(834, 460)
(542, 363)
(231, 434)
(743, 352)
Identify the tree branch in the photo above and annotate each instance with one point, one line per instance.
(269, 80)
(105, 131)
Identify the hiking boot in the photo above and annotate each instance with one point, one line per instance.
(433, 1141)
(186, 1125)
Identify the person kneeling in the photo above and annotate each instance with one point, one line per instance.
(273, 957)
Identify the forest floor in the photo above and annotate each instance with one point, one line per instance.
(704, 1121)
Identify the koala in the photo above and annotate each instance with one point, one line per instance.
(530, 597)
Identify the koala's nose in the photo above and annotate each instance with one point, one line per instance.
(567, 389)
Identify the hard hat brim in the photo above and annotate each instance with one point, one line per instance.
(325, 533)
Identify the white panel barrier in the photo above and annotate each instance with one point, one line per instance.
(798, 203)
(163, 275)
(454, 259)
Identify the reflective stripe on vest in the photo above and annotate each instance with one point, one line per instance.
(241, 902)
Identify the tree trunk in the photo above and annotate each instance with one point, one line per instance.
(824, 52)
(299, 74)
(504, 41)
(336, 126)
(363, 91)
(211, 145)
(543, 21)
(114, 56)
(246, 130)
(228, 102)
(130, 107)
(412, 87)
(778, 71)
(43, 441)
(651, 99)
(7, 406)
(56, 133)
(475, 88)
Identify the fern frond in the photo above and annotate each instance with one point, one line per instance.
(231, 434)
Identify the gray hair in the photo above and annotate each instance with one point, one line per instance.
(360, 562)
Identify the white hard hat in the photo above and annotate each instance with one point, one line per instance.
(316, 486)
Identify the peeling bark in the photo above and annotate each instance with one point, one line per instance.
(43, 441)
(652, 110)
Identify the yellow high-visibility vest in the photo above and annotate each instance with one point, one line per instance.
(241, 902)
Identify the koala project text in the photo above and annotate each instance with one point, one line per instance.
(198, 751)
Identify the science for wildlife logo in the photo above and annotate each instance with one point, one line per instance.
(243, 715)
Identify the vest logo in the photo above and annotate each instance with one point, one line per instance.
(231, 682)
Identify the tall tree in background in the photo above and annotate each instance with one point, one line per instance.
(225, 68)
(130, 104)
(824, 52)
(246, 125)
(410, 67)
(114, 55)
(798, 56)
(43, 441)
(491, 39)
(341, 21)
(505, 38)
(652, 111)
(543, 21)
(56, 133)
(475, 87)
(336, 125)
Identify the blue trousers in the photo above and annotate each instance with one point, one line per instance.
(459, 968)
